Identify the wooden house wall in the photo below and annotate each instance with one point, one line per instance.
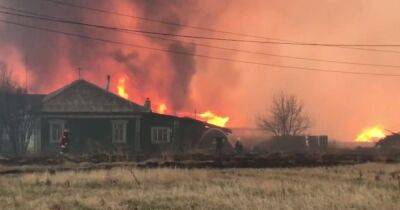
(191, 133)
(149, 121)
(185, 136)
(93, 134)
(89, 135)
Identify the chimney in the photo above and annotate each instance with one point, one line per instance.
(108, 82)
(147, 105)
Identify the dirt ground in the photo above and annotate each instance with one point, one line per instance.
(364, 186)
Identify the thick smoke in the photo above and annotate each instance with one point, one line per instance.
(182, 69)
(136, 69)
(50, 57)
(342, 105)
(39, 51)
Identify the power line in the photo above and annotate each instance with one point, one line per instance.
(372, 49)
(55, 19)
(353, 47)
(199, 27)
(148, 32)
(155, 20)
(257, 41)
(196, 55)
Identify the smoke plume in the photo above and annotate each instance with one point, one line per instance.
(342, 105)
(50, 57)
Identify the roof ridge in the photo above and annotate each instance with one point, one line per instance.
(66, 87)
(58, 91)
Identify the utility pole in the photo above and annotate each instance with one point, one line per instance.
(26, 75)
(79, 73)
(26, 81)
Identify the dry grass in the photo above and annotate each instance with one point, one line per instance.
(367, 186)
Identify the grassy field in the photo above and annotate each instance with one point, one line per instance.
(366, 186)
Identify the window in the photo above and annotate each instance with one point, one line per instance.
(56, 129)
(160, 135)
(119, 131)
(3, 134)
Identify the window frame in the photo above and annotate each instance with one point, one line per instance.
(122, 130)
(52, 124)
(161, 135)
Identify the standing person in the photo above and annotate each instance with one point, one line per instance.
(64, 141)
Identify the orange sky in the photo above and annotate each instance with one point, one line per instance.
(340, 105)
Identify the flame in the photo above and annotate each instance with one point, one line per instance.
(162, 108)
(371, 134)
(121, 88)
(214, 119)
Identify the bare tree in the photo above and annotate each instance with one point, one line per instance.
(15, 117)
(286, 117)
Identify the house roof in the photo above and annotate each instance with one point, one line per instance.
(390, 140)
(191, 120)
(83, 96)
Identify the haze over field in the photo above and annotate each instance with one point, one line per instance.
(341, 105)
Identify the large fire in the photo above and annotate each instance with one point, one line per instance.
(162, 108)
(121, 88)
(214, 119)
(207, 116)
(371, 134)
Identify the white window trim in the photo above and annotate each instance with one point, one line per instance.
(124, 124)
(60, 123)
(153, 137)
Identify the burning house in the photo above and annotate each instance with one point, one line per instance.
(100, 121)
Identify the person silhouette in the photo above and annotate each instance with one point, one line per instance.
(64, 141)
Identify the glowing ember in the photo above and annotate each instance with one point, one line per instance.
(162, 108)
(214, 119)
(121, 88)
(371, 134)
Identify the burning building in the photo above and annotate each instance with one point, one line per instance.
(101, 121)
